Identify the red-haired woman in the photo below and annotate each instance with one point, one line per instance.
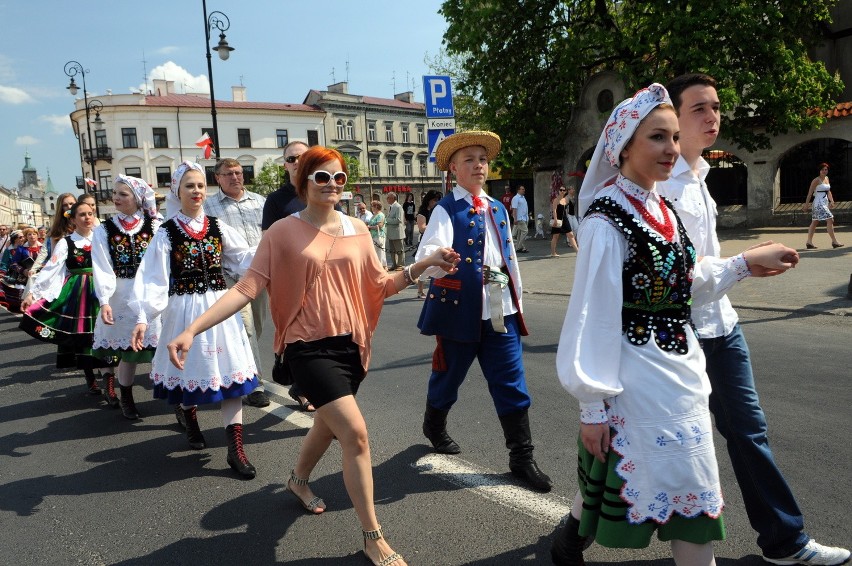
(324, 333)
(820, 189)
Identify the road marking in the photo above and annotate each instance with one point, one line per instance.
(549, 509)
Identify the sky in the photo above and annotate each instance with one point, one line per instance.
(283, 49)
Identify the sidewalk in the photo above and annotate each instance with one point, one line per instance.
(818, 285)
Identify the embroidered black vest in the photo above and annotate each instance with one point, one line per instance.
(126, 251)
(656, 280)
(196, 264)
(78, 258)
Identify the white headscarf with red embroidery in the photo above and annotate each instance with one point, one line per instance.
(173, 198)
(619, 129)
(142, 191)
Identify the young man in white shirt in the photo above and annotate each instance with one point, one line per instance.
(769, 502)
(521, 216)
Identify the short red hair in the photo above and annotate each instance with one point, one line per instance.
(824, 166)
(311, 161)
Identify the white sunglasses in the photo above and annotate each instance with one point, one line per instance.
(324, 178)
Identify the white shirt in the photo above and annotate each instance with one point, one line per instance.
(520, 209)
(697, 210)
(48, 283)
(439, 234)
(366, 216)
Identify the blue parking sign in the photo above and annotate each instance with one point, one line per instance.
(438, 96)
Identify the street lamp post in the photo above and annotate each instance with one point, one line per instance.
(72, 69)
(221, 22)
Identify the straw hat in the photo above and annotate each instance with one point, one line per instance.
(451, 144)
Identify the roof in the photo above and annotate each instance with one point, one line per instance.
(371, 100)
(194, 101)
(840, 110)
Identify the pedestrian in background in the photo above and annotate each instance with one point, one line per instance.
(521, 215)
(409, 209)
(560, 211)
(281, 204)
(376, 226)
(506, 199)
(20, 267)
(364, 215)
(395, 222)
(180, 277)
(242, 210)
(60, 227)
(821, 207)
(427, 205)
(476, 312)
(769, 501)
(118, 246)
(324, 331)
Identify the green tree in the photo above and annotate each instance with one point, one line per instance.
(526, 61)
(353, 165)
(270, 177)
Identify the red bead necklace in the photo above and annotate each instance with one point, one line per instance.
(195, 235)
(128, 225)
(666, 228)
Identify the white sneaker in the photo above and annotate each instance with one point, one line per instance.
(814, 553)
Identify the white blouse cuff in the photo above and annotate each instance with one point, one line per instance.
(740, 266)
(593, 413)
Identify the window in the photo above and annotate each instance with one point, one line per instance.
(313, 138)
(208, 131)
(161, 137)
(374, 166)
(421, 136)
(340, 130)
(243, 137)
(391, 159)
(133, 171)
(389, 131)
(281, 136)
(104, 181)
(100, 138)
(404, 133)
(350, 130)
(128, 137)
(248, 174)
(406, 166)
(210, 175)
(164, 176)
(424, 167)
(371, 131)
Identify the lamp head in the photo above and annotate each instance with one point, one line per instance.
(223, 49)
(72, 87)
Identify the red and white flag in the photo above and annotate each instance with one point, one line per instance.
(207, 143)
(91, 182)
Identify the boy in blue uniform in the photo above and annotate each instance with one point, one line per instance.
(476, 312)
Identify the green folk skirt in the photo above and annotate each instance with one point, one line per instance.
(605, 514)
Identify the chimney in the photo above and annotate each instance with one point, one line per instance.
(163, 87)
(405, 97)
(238, 93)
(339, 88)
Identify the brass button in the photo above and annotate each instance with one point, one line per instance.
(472, 224)
(473, 211)
(431, 295)
(470, 242)
(502, 223)
(494, 209)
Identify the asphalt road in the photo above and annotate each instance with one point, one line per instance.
(79, 484)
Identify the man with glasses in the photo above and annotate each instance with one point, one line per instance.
(281, 204)
(4, 238)
(242, 210)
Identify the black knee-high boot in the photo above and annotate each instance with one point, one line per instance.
(516, 429)
(237, 458)
(568, 546)
(128, 405)
(435, 429)
(92, 382)
(193, 431)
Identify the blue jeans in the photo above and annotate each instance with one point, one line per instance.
(772, 510)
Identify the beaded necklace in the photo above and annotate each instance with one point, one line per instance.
(666, 228)
(128, 225)
(194, 234)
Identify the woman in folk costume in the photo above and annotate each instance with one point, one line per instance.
(118, 246)
(6, 261)
(20, 265)
(65, 307)
(61, 226)
(629, 354)
(180, 278)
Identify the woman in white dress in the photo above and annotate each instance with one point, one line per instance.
(180, 278)
(821, 207)
(630, 356)
(118, 246)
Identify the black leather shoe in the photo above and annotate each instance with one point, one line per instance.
(237, 458)
(128, 405)
(529, 473)
(257, 398)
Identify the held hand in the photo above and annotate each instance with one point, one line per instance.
(137, 339)
(27, 302)
(106, 314)
(179, 347)
(768, 259)
(595, 438)
(445, 258)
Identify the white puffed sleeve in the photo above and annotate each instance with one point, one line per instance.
(151, 284)
(48, 282)
(102, 268)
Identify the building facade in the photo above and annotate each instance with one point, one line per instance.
(149, 135)
(387, 136)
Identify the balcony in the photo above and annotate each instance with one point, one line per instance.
(98, 154)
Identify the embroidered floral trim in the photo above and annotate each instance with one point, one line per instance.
(740, 266)
(196, 264)
(593, 415)
(213, 383)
